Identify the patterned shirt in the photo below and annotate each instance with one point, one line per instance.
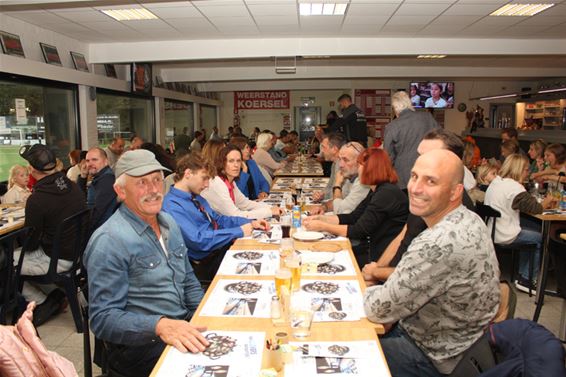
(445, 289)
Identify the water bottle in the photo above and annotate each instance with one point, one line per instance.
(563, 198)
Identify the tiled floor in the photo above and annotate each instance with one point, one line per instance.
(59, 334)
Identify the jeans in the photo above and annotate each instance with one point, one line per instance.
(528, 236)
(134, 361)
(403, 356)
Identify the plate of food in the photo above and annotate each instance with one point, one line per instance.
(308, 236)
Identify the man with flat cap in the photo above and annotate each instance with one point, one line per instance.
(54, 198)
(142, 289)
(445, 290)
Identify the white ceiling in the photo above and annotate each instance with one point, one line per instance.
(213, 19)
(209, 41)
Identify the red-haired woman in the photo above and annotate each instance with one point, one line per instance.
(379, 217)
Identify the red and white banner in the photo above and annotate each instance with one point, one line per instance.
(261, 100)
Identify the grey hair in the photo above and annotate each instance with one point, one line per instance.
(263, 140)
(401, 101)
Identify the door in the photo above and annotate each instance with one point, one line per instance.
(306, 119)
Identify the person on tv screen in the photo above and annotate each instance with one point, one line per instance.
(436, 100)
(415, 98)
(448, 94)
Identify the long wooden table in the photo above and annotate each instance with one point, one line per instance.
(301, 167)
(17, 224)
(320, 331)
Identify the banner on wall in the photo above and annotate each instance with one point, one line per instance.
(261, 100)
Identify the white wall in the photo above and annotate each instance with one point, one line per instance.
(273, 119)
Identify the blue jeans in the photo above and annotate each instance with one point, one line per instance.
(403, 356)
(527, 236)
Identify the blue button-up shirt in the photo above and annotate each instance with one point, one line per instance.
(198, 232)
(133, 283)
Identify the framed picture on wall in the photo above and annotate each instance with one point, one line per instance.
(79, 61)
(110, 70)
(50, 54)
(141, 78)
(11, 44)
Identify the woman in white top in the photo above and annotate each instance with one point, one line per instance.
(262, 157)
(436, 100)
(18, 192)
(507, 195)
(225, 197)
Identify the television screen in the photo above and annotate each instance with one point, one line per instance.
(434, 94)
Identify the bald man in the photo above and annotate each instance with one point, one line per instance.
(445, 289)
(114, 151)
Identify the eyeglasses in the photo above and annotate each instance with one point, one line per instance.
(357, 147)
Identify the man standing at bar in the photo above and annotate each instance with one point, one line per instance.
(403, 135)
(352, 123)
(142, 289)
(207, 234)
(445, 290)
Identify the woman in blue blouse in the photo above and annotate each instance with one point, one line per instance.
(251, 182)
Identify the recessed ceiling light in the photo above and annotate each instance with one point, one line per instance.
(431, 56)
(499, 96)
(130, 14)
(521, 9)
(322, 9)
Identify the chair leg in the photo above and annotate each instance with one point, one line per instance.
(513, 264)
(71, 292)
(531, 268)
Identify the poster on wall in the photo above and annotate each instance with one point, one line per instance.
(21, 115)
(11, 44)
(376, 105)
(141, 78)
(261, 100)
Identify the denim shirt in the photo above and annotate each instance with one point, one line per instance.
(133, 283)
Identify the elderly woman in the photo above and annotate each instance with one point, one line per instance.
(555, 158)
(507, 195)
(262, 157)
(380, 216)
(225, 197)
(251, 181)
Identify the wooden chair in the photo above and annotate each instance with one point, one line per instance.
(76, 228)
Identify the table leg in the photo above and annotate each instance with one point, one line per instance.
(542, 276)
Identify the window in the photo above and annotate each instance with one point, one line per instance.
(35, 111)
(179, 119)
(120, 115)
(207, 118)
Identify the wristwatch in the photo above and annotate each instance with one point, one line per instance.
(336, 187)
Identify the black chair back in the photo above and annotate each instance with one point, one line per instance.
(477, 359)
(486, 213)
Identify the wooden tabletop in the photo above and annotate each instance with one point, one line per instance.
(551, 217)
(301, 168)
(17, 224)
(320, 331)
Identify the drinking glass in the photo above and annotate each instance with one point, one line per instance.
(300, 315)
(293, 263)
(282, 281)
(286, 248)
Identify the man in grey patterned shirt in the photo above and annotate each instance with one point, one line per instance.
(445, 289)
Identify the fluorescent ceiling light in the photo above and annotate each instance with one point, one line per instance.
(552, 90)
(521, 9)
(328, 9)
(500, 96)
(431, 56)
(130, 14)
(322, 9)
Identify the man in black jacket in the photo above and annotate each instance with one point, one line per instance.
(101, 196)
(353, 122)
(54, 198)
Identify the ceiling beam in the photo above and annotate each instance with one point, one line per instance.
(168, 51)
